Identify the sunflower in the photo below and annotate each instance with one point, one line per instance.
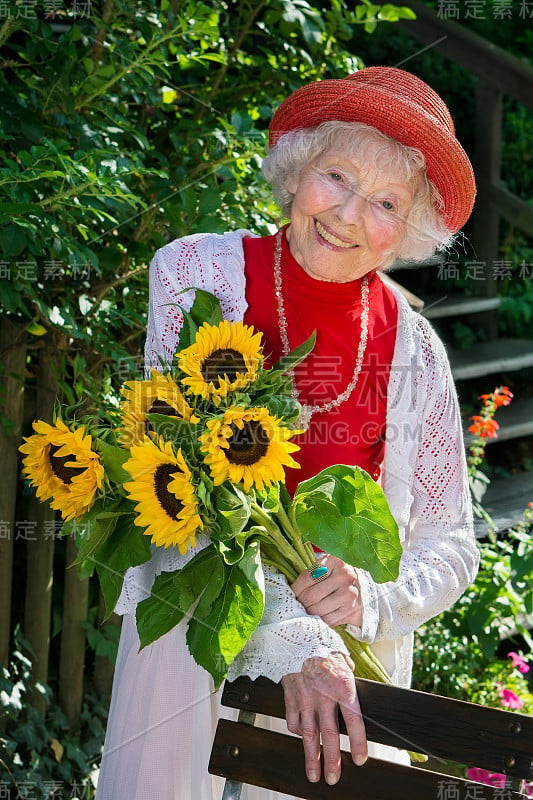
(159, 395)
(224, 358)
(63, 467)
(162, 489)
(248, 445)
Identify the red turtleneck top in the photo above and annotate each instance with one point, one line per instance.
(353, 433)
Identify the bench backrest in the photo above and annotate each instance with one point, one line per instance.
(492, 739)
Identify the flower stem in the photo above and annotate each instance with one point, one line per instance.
(304, 549)
(275, 537)
(270, 556)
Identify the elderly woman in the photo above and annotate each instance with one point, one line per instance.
(368, 171)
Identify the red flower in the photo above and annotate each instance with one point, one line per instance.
(484, 428)
(502, 396)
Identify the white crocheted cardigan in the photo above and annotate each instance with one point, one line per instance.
(424, 477)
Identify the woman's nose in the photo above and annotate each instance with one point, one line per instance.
(352, 208)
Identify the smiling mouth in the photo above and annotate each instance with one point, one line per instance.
(330, 238)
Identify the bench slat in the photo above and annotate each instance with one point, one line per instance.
(493, 739)
(274, 761)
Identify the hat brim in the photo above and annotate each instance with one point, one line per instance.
(447, 164)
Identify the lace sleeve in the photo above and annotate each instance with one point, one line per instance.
(286, 636)
(440, 557)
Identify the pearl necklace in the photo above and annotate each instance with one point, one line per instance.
(308, 410)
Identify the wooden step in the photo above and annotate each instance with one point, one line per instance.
(505, 501)
(486, 358)
(439, 308)
(515, 421)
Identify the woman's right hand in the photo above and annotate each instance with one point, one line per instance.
(312, 700)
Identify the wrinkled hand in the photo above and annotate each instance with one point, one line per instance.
(337, 599)
(312, 699)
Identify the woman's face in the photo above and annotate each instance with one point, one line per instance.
(347, 218)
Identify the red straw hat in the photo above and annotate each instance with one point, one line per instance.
(401, 106)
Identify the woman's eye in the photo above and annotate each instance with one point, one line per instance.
(387, 205)
(335, 176)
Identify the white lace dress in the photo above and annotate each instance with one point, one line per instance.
(164, 708)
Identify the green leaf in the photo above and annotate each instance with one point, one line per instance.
(283, 407)
(174, 429)
(111, 587)
(219, 58)
(345, 513)
(36, 329)
(94, 534)
(173, 593)
(206, 308)
(210, 201)
(188, 331)
(270, 498)
(113, 458)
(11, 299)
(12, 241)
(127, 546)
(296, 356)
(233, 506)
(104, 641)
(19, 209)
(221, 625)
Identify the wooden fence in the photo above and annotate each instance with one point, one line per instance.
(28, 536)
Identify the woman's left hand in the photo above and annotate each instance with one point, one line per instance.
(336, 599)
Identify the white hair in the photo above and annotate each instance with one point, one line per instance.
(426, 230)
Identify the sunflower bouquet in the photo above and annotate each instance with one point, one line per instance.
(194, 457)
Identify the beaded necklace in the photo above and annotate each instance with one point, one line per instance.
(308, 410)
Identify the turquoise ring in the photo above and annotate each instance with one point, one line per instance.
(318, 572)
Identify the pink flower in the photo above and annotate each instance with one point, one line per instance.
(519, 661)
(493, 779)
(478, 774)
(510, 699)
(486, 777)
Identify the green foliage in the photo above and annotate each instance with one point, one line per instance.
(39, 755)
(456, 652)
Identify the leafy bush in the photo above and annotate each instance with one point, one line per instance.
(456, 653)
(42, 757)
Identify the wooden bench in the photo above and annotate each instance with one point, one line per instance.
(492, 739)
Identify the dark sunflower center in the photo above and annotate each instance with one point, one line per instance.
(159, 407)
(247, 446)
(168, 501)
(59, 469)
(222, 362)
